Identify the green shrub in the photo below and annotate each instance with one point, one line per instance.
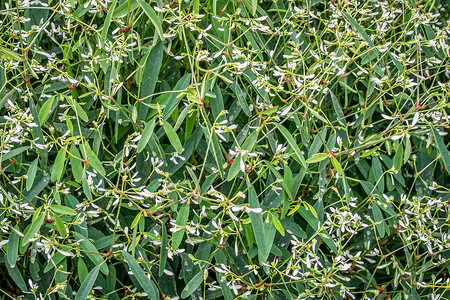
(224, 149)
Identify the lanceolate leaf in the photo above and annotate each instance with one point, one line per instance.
(16, 276)
(44, 112)
(317, 158)
(173, 137)
(241, 97)
(278, 225)
(80, 112)
(163, 252)
(250, 141)
(359, 28)
(336, 165)
(181, 220)
(107, 23)
(13, 153)
(146, 134)
(298, 153)
(58, 166)
(442, 150)
(174, 98)
(33, 229)
(60, 226)
(77, 167)
(152, 65)
(150, 12)
(125, 8)
(337, 108)
(31, 175)
(257, 224)
(13, 247)
(240, 158)
(63, 210)
(254, 6)
(147, 284)
(91, 252)
(192, 285)
(88, 283)
(93, 159)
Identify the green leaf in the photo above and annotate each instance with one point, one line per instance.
(31, 174)
(248, 145)
(33, 229)
(13, 153)
(367, 153)
(76, 164)
(398, 157)
(248, 235)
(146, 134)
(36, 130)
(257, 224)
(214, 149)
(44, 112)
(91, 252)
(106, 24)
(148, 77)
(163, 252)
(278, 225)
(317, 158)
(63, 210)
(122, 10)
(86, 189)
(378, 217)
(254, 7)
(337, 108)
(58, 166)
(336, 165)
(82, 269)
(250, 141)
(442, 150)
(235, 167)
(288, 187)
(407, 150)
(147, 284)
(174, 98)
(310, 208)
(80, 112)
(317, 115)
(150, 12)
(182, 218)
(60, 226)
(13, 247)
(294, 228)
(11, 54)
(398, 296)
(298, 154)
(16, 276)
(2, 83)
(360, 29)
(93, 159)
(192, 285)
(136, 220)
(311, 217)
(284, 183)
(173, 137)
(88, 283)
(241, 96)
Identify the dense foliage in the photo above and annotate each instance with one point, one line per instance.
(224, 149)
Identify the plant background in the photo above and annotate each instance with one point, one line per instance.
(224, 149)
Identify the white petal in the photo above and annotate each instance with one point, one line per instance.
(415, 119)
